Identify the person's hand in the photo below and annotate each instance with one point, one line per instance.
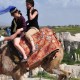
(31, 9)
(19, 30)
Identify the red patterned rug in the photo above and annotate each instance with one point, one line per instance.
(45, 42)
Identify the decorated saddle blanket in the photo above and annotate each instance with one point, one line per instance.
(45, 42)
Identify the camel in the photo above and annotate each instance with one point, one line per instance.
(49, 57)
(72, 38)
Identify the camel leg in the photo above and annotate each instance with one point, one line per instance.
(30, 74)
(62, 77)
(13, 78)
(53, 65)
(16, 75)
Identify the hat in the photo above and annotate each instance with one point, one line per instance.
(12, 10)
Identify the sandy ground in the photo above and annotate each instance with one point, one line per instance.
(36, 79)
(2, 77)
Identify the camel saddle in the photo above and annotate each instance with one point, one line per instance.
(45, 42)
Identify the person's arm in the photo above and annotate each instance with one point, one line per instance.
(10, 37)
(32, 16)
(2, 38)
(23, 24)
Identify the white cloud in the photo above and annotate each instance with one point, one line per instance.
(71, 3)
(37, 3)
(64, 3)
(6, 3)
(50, 11)
(56, 3)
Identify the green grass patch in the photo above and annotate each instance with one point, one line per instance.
(74, 79)
(45, 75)
(73, 30)
(2, 32)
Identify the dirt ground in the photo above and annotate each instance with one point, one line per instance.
(3, 77)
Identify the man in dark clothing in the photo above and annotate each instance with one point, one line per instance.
(18, 25)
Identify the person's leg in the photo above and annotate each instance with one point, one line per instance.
(29, 34)
(17, 45)
(30, 39)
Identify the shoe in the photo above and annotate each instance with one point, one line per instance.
(24, 60)
(27, 69)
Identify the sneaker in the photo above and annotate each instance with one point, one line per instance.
(27, 69)
(24, 60)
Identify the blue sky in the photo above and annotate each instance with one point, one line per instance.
(51, 12)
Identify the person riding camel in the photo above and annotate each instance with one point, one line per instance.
(33, 26)
(18, 25)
